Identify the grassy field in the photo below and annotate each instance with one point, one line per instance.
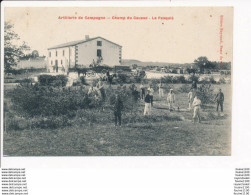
(163, 133)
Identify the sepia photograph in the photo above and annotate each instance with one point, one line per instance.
(117, 81)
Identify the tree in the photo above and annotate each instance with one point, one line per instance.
(35, 54)
(203, 63)
(12, 50)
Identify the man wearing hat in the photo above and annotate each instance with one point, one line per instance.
(117, 105)
(219, 99)
(161, 90)
(190, 99)
(148, 103)
(151, 91)
(171, 100)
(196, 109)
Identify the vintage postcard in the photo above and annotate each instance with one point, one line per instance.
(125, 98)
(117, 81)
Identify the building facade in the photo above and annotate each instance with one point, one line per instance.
(84, 53)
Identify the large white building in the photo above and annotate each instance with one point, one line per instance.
(83, 53)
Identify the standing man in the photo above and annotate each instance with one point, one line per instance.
(196, 109)
(219, 99)
(194, 85)
(151, 91)
(190, 99)
(161, 90)
(171, 100)
(143, 93)
(110, 78)
(117, 108)
(100, 86)
(148, 103)
(135, 95)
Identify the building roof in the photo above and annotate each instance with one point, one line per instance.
(74, 43)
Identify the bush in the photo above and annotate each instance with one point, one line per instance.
(212, 80)
(205, 93)
(167, 79)
(83, 80)
(207, 80)
(42, 100)
(222, 80)
(139, 78)
(76, 83)
(49, 80)
(27, 70)
(155, 84)
(181, 79)
(123, 78)
(193, 78)
(100, 69)
(185, 88)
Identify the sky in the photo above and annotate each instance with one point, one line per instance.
(193, 31)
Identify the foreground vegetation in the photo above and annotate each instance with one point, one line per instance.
(87, 128)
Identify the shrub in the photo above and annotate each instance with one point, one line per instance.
(83, 80)
(56, 81)
(185, 88)
(205, 93)
(207, 80)
(193, 78)
(167, 79)
(137, 79)
(27, 70)
(222, 80)
(154, 83)
(100, 69)
(204, 80)
(26, 80)
(76, 83)
(44, 100)
(181, 79)
(123, 78)
(212, 80)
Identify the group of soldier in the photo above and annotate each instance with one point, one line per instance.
(146, 95)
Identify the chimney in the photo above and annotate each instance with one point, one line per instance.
(87, 37)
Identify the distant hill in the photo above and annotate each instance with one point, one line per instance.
(129, 62)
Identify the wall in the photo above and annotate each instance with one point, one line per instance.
(88, 51)
(63, 60)
(22, 64)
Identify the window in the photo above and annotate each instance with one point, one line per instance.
(61, 61)
(99, 53)
(51, 62)
(99, 43)
(49, 54)
(63, 52)
(56, 53)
